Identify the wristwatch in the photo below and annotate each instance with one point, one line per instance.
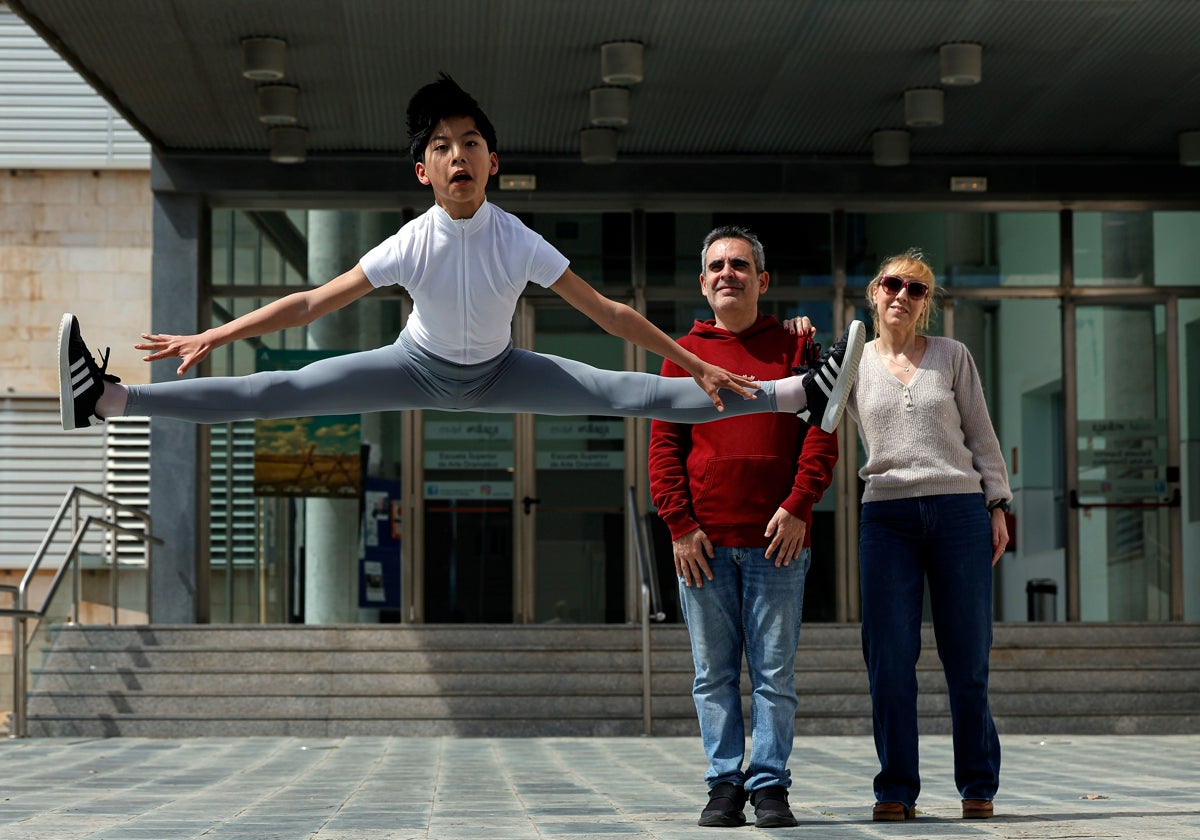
(998, 503)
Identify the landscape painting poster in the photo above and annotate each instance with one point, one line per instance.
(306, 456)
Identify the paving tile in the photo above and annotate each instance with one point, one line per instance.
(358, 788)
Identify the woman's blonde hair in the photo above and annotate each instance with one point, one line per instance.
(911, 265)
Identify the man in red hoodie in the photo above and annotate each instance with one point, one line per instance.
(737, 496)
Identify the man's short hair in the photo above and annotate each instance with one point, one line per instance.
(434, 103)
(734, 232)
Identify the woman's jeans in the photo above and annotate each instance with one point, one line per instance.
(750, 606)
(947, 539)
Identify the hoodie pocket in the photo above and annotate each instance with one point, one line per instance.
(742, 491)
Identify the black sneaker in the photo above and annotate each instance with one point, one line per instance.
(827, 382)
(771, 807)
(80, 381)
(724, 809)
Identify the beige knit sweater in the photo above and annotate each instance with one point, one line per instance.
(931, 436)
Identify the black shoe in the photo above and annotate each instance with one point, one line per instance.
(771, 808)
(724, 809)
(827, 382)
(80, 380)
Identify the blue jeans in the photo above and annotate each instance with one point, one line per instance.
(947, 539)
(749, 606)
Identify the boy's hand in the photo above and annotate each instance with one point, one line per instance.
(192, 349)
(712, 379)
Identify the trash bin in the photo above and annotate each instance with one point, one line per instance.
(1042, 599)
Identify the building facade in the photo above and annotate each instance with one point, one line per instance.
(1083, 315)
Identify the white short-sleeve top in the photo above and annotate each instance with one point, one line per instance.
(464, 276)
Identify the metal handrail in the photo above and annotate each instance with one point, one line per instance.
(21, 613)
(651, 602)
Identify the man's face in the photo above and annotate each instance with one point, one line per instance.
(457, 165)
(731, 282)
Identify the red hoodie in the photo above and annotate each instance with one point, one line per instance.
(730, 476)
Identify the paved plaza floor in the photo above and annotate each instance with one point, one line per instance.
(1052, 787)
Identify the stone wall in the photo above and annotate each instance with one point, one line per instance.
(72, 241)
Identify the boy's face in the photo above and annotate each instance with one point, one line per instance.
(457, 165)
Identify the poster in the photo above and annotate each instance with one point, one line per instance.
(306, 456)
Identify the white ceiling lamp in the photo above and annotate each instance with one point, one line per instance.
(889, 147)
(608, 106)
(961, 63)
(924, 107)
(1189, 148)
(621, 62)
(278, 104)
(263, 59)
(598, 145)
(288, 144)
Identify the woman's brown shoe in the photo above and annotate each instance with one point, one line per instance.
(978, 809)
(892, 812)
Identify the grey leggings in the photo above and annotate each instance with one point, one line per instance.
(403, 376)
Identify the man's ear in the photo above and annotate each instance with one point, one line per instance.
(421, 174)
(764, 280)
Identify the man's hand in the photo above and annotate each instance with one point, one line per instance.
(712, 379)
(800, 325)
(192, 349)
(692, 552)
(786, 533)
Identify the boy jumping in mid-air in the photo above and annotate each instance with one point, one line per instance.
(465, 263)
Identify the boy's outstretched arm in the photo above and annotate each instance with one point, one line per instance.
(294, 310)
(623, 321)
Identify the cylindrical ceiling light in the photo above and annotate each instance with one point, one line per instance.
(621, 62)
(288, 144)
(961, 63)
(598, 145)
(1189, 148)
(608, 106)
(889, 147)
(262, 59)
(278, 104)
(923, 107)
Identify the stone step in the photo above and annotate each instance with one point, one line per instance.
(171, 681)
(108, 726)
(293, 705)
(502, 680)
(622, 637)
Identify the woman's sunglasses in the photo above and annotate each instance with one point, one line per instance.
(893, 285)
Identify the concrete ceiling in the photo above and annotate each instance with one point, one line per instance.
(1108, 83)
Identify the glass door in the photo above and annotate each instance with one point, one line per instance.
(1124, 490)
(467, 491)
(573, 504)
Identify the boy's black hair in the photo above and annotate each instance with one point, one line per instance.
(434, 103)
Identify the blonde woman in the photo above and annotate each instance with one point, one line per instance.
(933, 510)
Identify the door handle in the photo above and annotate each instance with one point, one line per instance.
(529, 502)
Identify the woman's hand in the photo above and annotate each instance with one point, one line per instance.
(192, 349)
(999, 535)
(712, 379)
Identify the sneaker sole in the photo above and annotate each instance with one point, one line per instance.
(838, 398)
(66, 397)
(776, 822)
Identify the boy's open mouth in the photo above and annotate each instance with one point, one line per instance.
(460, 178)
